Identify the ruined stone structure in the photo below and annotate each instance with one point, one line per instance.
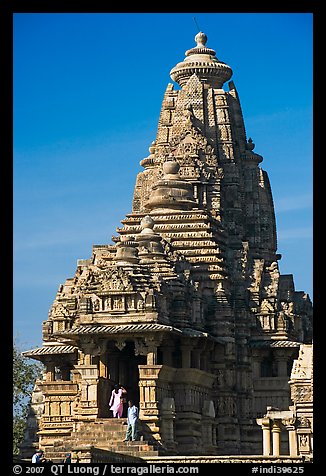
(187, 309)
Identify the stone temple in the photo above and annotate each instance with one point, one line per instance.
(187, 308)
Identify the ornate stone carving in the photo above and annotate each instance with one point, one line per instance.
(189, 292)
(120, 344)
(115, 280)
(59, 310)
(140, 347)
(301, 393)
(303, 422)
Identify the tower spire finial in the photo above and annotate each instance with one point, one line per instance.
(203, 62)
(201, 39)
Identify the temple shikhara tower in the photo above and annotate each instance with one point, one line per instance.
(187, 309)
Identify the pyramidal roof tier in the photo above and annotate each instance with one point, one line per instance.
(201, 61)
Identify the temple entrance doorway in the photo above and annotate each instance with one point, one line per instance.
(123, 370)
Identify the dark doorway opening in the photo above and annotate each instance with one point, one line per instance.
(123, 370)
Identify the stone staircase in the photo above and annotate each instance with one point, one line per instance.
(106, 434)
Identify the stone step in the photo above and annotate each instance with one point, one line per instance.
(106, 438)
(110, 443)
(125, 446)
(119, 448)
(114, 425)
(105, 435)
(90, 438)
(107, 421)
(103, 431)
(116, 446)
(133, 451)
(137, 453)
(58, 456)
(141, 454)
(56, 451)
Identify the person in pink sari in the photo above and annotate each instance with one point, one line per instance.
(116, 400)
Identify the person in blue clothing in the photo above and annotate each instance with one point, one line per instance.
(37, 456)
(132, 421)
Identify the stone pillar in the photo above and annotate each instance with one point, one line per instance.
(104, 384)
(167, 423)
(203, 361)
(207, 347)
(89, 401)
(191, 388)
(281, 358)
(196, 358)
(103, 369)
(196, 311)
(167, 355)
(207, 426)
(152, 356)
(256, 363)
(148, 347)
(214, 434)
(89, 395)
(154, 384)
(266, 427)
(50, 371)
(293, 443)
(276, 435)
(186, 356)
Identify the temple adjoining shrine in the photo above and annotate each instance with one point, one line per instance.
(187, 309)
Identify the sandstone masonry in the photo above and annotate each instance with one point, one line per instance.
(187, 308)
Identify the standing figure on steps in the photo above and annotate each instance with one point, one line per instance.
(116, 400)
(132, 432)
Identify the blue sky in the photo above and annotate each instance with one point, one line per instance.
(88, 90)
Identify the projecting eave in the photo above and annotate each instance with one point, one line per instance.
(52, 349)
(107, 329)
(128, 329)
(274, 343)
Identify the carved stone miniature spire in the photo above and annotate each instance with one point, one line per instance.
(171, 192)
(201, 61)
(250, 144)
(149, 242)
(149, 161)
(126, 251)
(249, 156)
